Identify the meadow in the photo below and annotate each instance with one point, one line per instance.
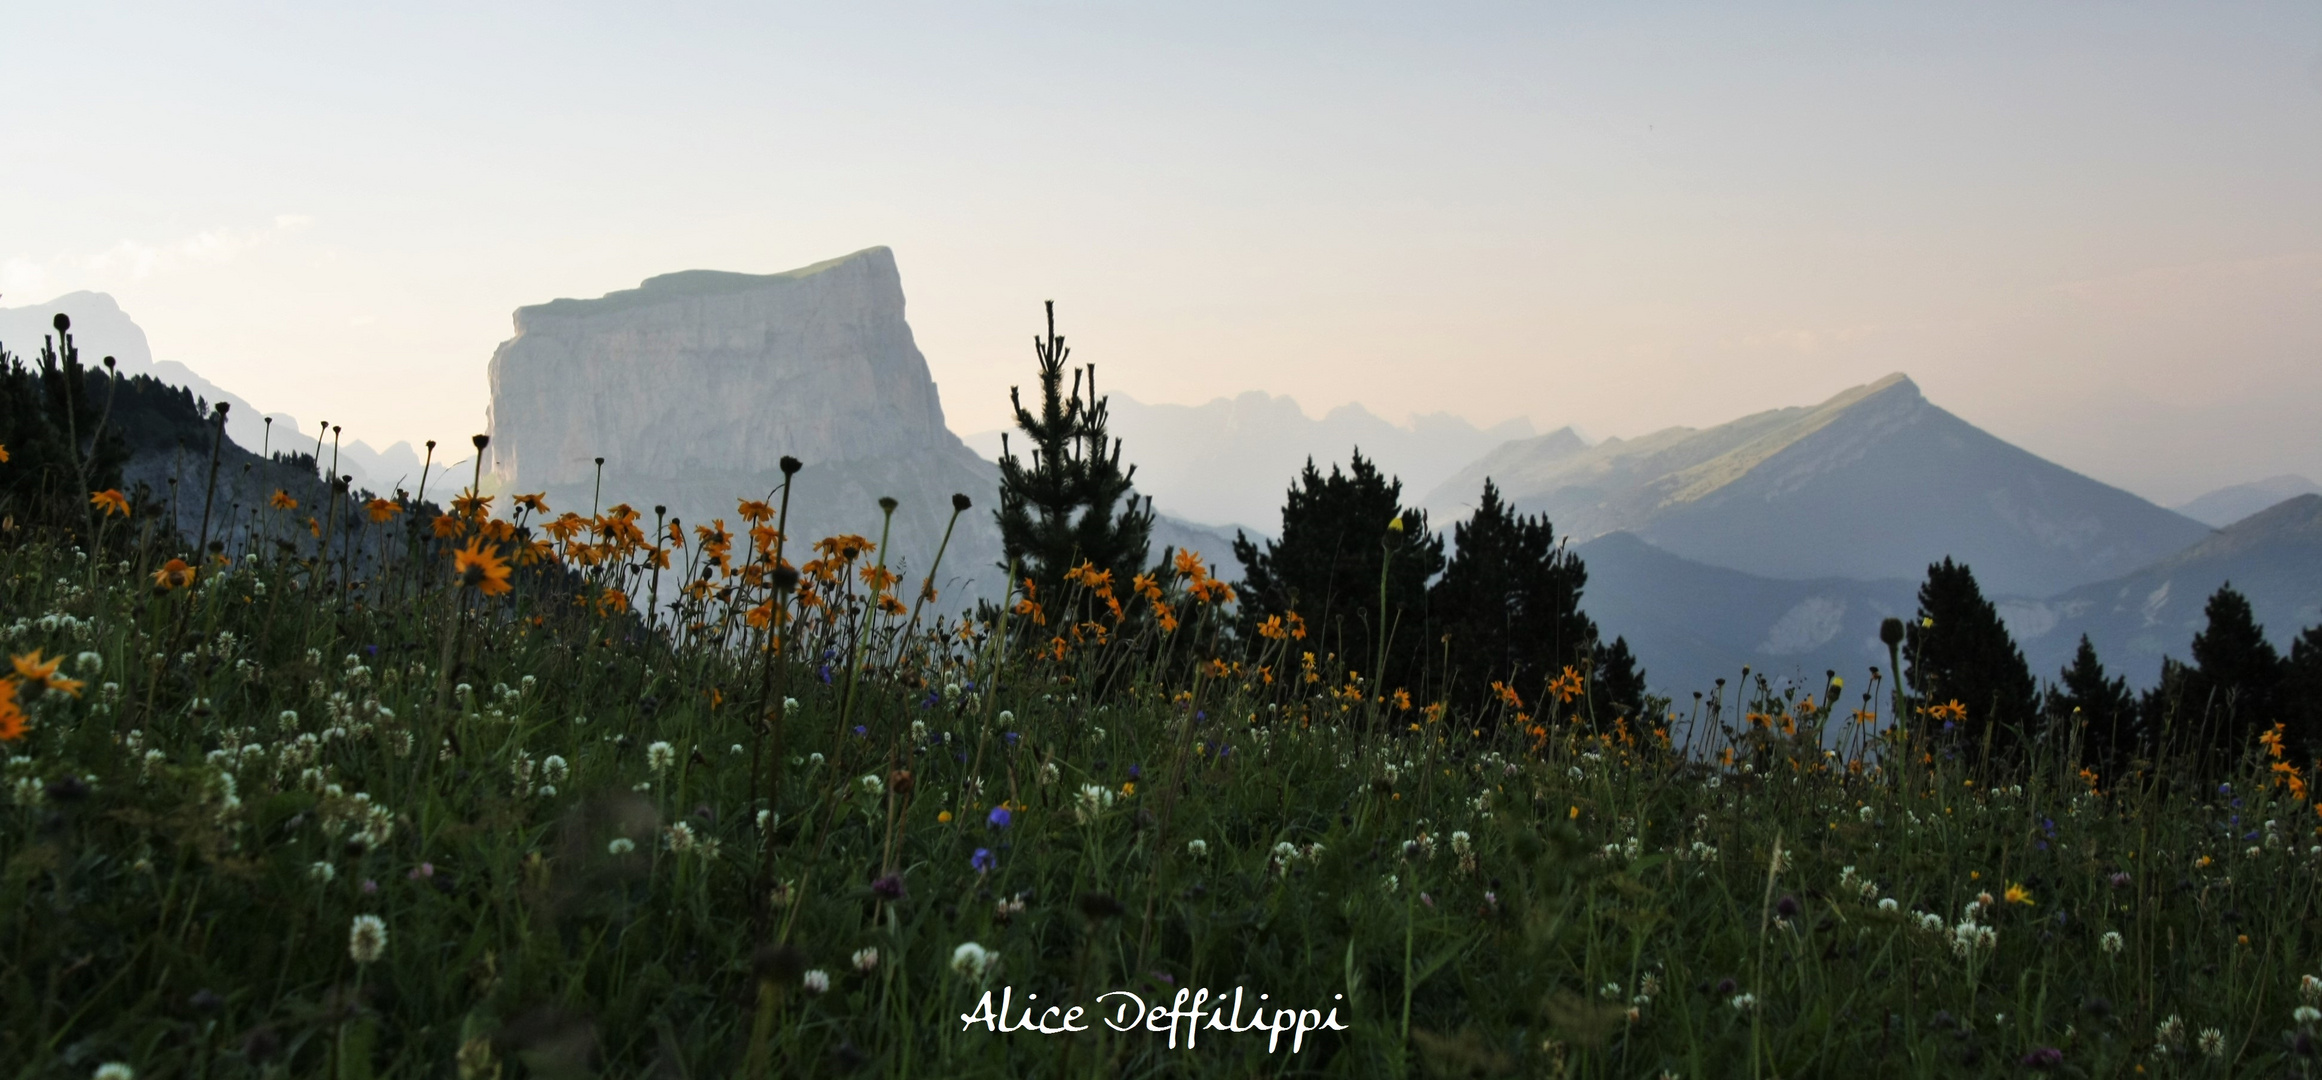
(464, 807)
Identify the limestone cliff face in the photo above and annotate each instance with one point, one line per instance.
(694, 385)
(704, 371)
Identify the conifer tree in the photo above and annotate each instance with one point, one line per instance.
(2299, 699)
(1060, 510)
(1959, 650)
(1327, 568)
(1508, 605)
(2103, 710)
(2220, 701)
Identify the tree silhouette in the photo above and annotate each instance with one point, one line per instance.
(2300, 695)
(1959, 651)
(2103, 709)
(1326, 568)
(1060, 510)
(2218, 703)
(1508, 605)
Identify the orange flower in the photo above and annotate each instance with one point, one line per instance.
(754, 511)
(1508, 695)
(1950, 710)
(536, 502)
(446, 527)
(111, 501)
(1271, 629)
(382, 509)
(12, 720)
(3, 455)
(612, 602)
(1566, 686)
(2017, 894)
(174, 574)
(890, 605)
(879, 578)
(472, 505)
(281, 500)
(42, 673)
(1189, 564)
(481, 568)
(2272, 738)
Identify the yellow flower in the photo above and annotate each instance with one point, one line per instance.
(3, 455)
(943, 818)
(174, 574)
(42, 673)
(12, 719)
(1129, 788)
(382, 509)
(281, 500)
(2017, 894)
(481, 568)
(111, 501)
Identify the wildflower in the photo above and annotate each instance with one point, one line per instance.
(1930, 922)
(114, 1070)
(888, 887)
(2170, 1031)
(2310, 988)
(1743, 1002)
(367, 939)
(620, 845)
(41, 673)
(2110, 943)
(866, 959)
(1461, 843)
(1094, 799)
(660, 756)
(12, 719)
(382, 509)
(971, 960)
(2212, 1042)
(481, 568)
(2017, 894)
(1199, 849)
(680, 837)
(943, 817)
(322, 872)
(1888, 905)
(111, 501)
(281, 500)
(983, 861)
(999, 817)
(816, 981)
(174, 574)
(873, 784)
(2306, 1014)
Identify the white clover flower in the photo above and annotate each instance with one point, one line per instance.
(789, 704)
(2212, 1042)
(1611, 991)
(1868, 813)
(1007, 716)
(1930, 922)
(554, 769)
(660, 756)
(1888, 905)
(1285, 851)
(90, 663)
(367, 938)
(620, 845)
(680, 837)
(867, 959)
(1461, 843)
(2306, 1014)
(1390, 883)
(816, 981)
(814, 761)
(1048, 773)
(919, 731)
(114, 1070)
(2170, 1031)
(1197, 847)
(873, 785)
(735, 749)
(1094, 799)
(2310, 988)
(971, 960)
(1744, 1002)
(321, 872)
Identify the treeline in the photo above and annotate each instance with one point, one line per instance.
(1972, 692)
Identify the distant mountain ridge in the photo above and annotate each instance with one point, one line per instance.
(1874, 483)
(2227, 505)
(2273, 557)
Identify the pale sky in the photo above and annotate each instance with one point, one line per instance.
(2093, 229)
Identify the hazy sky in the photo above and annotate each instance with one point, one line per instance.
(2094, 229)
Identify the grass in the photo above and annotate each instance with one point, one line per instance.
(601, 844)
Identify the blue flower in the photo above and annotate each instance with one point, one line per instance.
(861, 731)
(1010, 738)
(1135, 772)
(983, 861)
(1000, 817)
(824, 671)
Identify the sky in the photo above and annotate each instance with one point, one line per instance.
(2093, 229)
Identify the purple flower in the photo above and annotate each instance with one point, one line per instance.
(889, 887)
(370, 886)
(1136, 773)
(999, 817)
(2120, 879)
(983, 861)
(423, 870)
(2046, 1057)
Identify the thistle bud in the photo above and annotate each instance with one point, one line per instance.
(481, 441)
(959, 502)
(790, 465)
(62, 322)
(888, 504)
(1891, 632)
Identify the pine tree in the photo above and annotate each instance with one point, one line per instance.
(2218, 703)
(2299, 700)
(1959, 651)
(1327, 566)
(1059, 511)
(1508, 604)
(2104, 711)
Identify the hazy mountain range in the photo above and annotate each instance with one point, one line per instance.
(1776, 541)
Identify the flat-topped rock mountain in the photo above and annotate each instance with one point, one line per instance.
(1875, 483)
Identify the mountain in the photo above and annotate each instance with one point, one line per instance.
(102, 329)
(1691, 624)
(2230, 504)
(1229, 462)
(694, 385)
(2274, 557)
(1874, 483)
